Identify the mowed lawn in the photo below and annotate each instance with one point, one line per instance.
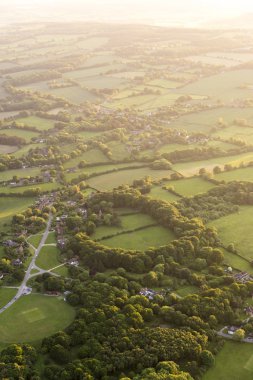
(10, 206)
(48, 257)
(6, 294)
(243, 174)
(191, 186)
(111, 180)
(34, 317)
(234, 362)
(237, 228)
(35, 240)
(141, 240)
(51, 239)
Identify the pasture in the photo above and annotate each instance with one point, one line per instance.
(10, 206)
(27, 135)
(237, 262)
(48, 257)
(7, 149)
(237, 132)
(38, 122)
(141, 240)
(128, 222)
(226, 86)
(43, 187)
(204, 121)
(189, 169)
(34, 317)
(91, 157)
(115, 179)
(242, 174)
(7, 175)
(237, 228)
(190, 187)
(233, 362)
(158, 193)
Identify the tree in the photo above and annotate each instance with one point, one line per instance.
(207, 358)
(239, 335)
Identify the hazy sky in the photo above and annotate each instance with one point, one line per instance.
(187, 12)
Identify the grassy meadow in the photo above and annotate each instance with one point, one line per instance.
(142, 239)
(234, 362)
(237, 228)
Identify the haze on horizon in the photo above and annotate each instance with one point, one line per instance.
(156, 12)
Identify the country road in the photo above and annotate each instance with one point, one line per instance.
(22, 286)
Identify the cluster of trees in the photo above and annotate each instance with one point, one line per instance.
(17, 362)
(32, 219)
(11, 140)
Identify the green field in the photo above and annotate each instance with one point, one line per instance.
(244, 174)
(74, 94)
(237, 262)
(237, 228)
(25, 149)
(10, 206)
(158, 193)
(6, 294)
(48, 257)
(189, 169)
(7, 149)
(244, 134)
(111, 180)
(62, 271)
(191, 186)
(35, 240)
(204, 121)
(51, 239)
(141, 240)
(34, 317)
(224, 86)
(27, 135)
(234, 362)
(38, 122)
(91, 157)
(7, 175)
(128, 222)
(118, 149)
(99, 169)
(43, 187)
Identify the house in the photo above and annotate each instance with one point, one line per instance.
(149, 293)
(17, 262)
(10, 243)
(74, 262)
(232, 330)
